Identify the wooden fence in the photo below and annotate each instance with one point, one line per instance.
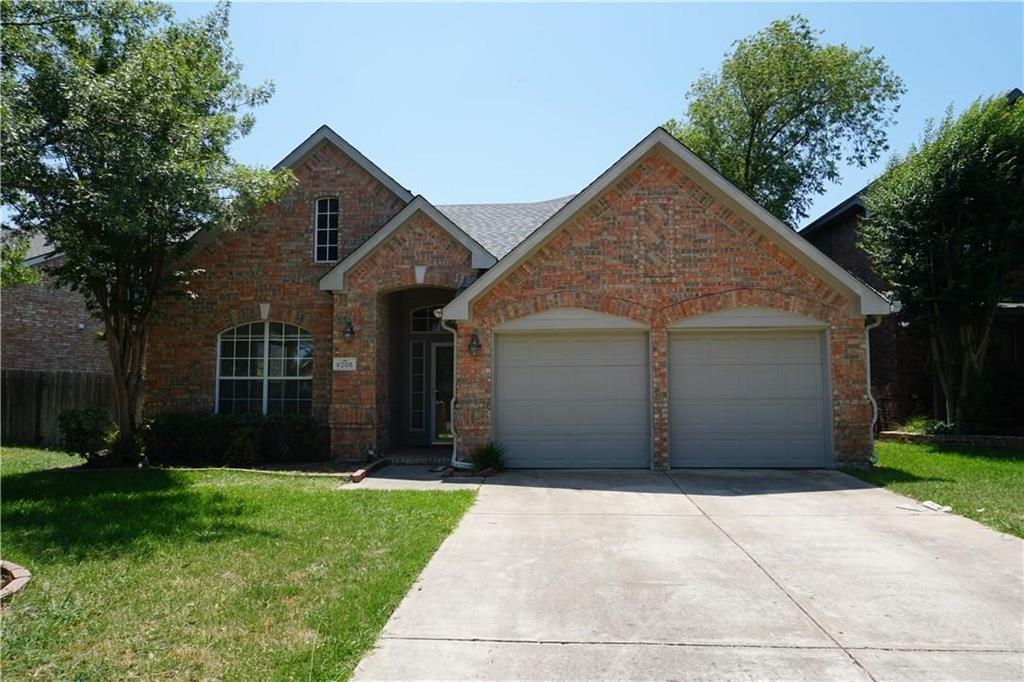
(32, 400)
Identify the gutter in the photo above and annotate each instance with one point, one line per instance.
(455, 462)
(874, 405)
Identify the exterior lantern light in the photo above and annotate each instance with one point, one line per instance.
(474, 343)
(349, 331)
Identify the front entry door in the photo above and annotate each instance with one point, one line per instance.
(441, 388)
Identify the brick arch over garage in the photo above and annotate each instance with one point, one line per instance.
(566, 298)
(747, 298)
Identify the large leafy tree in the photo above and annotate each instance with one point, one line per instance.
(14, 249)
(945, 226)
(117, 123)
(784, 111)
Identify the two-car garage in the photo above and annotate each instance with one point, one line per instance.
(581, 398)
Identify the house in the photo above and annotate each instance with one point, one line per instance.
(51, 358)
(49, 329)
(902, 380)
(658, 318)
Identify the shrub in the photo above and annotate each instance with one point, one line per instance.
(203, 439)
(490, 456)
(86, 433)
(924, 425)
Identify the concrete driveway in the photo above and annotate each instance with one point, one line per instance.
(708, 574)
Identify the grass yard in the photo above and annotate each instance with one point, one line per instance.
(204, 574)
(982, 483)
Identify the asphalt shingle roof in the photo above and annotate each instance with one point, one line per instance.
(499, 227)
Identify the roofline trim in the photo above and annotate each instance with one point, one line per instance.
(323, 133)
(481, 258)
(856, 201)
(866, 300)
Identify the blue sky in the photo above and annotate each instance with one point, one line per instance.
(492, 103)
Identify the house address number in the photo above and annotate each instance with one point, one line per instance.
(344, 364)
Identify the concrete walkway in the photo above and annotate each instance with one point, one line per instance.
(707, 575)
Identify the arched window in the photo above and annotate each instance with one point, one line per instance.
(265, 367)
(426, 319)
(327, 212)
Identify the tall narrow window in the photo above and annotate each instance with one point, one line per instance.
(265, 367)
(326, 230)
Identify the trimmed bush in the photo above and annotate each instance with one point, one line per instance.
(86, 433)
(192, 439)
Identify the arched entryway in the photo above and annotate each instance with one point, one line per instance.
(420, 370)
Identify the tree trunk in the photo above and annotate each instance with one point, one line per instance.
(126, 345)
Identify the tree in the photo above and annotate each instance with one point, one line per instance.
(785, 110)
(117, 123)
(14, 248)
(945, 226)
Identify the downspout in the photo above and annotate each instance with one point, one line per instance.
(874, 405)
(456, 463)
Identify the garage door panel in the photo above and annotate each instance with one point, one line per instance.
(750, 399)
(572, 400)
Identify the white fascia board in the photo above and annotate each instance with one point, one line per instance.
(324, 132)
(481, 258)
(865, 300)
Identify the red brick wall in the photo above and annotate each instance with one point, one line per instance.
(268, 262)
(900, 375)
(657, 248)
(49, 329)
(360, 409)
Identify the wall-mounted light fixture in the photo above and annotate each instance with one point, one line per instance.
(474, 343)
(349, 331)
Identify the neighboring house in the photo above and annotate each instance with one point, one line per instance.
(48, 329)
(658, 318)
(51, 359)
(901, 376)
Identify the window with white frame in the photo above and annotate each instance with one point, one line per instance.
(266, 368)
(327, 230)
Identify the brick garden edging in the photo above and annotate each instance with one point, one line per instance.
(966, 439)
(19, 578)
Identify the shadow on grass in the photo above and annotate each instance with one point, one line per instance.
(883, 475)
(103, 515)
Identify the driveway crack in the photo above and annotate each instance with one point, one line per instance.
(770, 577)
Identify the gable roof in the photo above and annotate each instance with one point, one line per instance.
(499, 227)
(323, 133)
(334, 280)
(854, 202)
(865, 300)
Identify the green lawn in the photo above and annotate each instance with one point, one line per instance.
(204, 574)
(982, 483)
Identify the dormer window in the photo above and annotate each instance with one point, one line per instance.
(327, 230)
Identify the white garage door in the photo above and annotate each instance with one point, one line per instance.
(572, 400)
(751, 399)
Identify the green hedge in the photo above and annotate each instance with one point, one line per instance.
(233, 439)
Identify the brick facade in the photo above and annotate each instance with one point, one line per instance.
(360, 408)
(268, 262)
(49, 329)
(656, 248)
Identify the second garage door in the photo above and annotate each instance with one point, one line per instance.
(751, 399)
(572, 400)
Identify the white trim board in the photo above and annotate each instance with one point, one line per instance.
(864, 299)
(334, 280)
(324, 132)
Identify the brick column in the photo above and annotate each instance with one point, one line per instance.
(659, 395)
(354, 421)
